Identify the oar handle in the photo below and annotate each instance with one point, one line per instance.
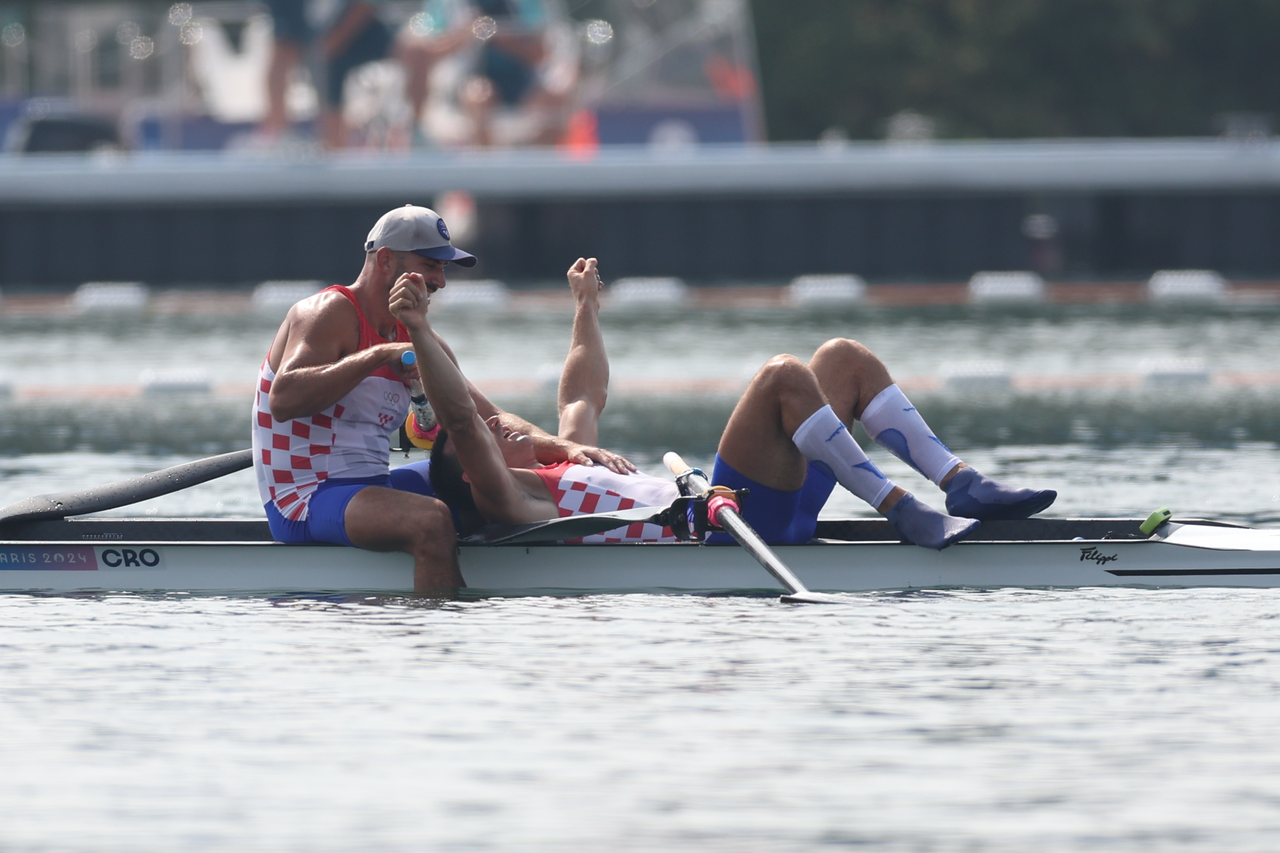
(674, 463)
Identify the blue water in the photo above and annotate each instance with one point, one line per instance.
(1046, 720)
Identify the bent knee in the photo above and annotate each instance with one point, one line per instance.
(845, 349)
(435, 517)
(782, 368)
(422, 520)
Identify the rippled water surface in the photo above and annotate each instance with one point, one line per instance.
(997, 720)
(1082, 720)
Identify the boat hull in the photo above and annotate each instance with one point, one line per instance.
(1186, 555)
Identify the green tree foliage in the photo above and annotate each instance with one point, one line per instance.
(1017, 68)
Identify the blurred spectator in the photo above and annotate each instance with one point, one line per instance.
(291, 34)
(506, 71)
(442, 28)
(354, 35)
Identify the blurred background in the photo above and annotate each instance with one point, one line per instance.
(229, 143)
(1056, 221)
(912, 142)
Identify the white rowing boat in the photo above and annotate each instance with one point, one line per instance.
(237, 556)
(54, 543)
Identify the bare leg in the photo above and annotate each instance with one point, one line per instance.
(285, 56)
(478, 101)
(757, 442)
(757, 439)
(379, 519)
(584, 382)
(851, 376)
(784, 410)
(333, 129)
(417, 63)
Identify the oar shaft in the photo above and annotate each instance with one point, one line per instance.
(738, 528)
(125, 492)
(750, 540)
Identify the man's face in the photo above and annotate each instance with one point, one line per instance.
(517, 449)
(431, 270)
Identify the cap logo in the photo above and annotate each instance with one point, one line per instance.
(444, 232)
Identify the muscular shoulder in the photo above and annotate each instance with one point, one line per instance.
(327, 306)
(326, 324)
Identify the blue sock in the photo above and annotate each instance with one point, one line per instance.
(923, 525)
(971, 495)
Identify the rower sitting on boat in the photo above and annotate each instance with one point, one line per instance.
(331, 391)
(787, 441)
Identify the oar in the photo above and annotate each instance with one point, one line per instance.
(733, 523)
(569, 527)
(125, 492)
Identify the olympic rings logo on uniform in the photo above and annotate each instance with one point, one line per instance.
(391, 398)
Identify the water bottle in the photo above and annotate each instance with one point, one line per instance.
(420, 427)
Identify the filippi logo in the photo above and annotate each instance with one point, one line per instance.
(1092, 553)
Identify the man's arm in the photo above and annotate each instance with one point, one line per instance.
(315, 359)
(484, 405)
(550, 449)
(547, 448)
(584, 382)
(497, 492)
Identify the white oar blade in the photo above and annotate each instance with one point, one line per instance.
(807, 597)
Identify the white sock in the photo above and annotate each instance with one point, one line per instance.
(825, 441)
(896, 426)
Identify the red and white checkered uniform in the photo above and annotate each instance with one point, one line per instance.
(349, 439)
(581, 490)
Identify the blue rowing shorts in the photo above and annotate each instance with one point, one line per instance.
(328, 506)
(781, 518)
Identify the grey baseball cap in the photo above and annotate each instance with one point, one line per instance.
(419, 230)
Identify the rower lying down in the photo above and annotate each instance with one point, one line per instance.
(787, 442)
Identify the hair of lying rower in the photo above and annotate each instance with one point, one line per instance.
(450, 487)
